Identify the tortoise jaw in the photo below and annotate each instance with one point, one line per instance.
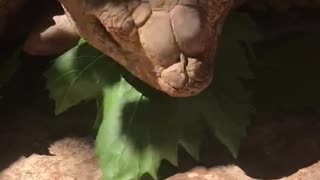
(186, 78)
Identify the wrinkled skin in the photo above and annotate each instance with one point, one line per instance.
(169, 44)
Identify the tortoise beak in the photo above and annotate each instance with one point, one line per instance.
(186, 78)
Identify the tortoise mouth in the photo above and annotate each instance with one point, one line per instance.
(186, 78)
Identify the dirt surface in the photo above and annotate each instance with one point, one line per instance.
(71, 158)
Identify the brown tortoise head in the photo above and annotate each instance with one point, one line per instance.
(169, 44)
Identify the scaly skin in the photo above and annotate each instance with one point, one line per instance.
(169, 44)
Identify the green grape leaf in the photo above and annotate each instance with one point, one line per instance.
(77, 75)
(9, 66)
(138, 132)
(230, 106)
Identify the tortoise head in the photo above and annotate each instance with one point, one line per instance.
(169, 44)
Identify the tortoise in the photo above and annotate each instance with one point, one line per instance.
(168, 44)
